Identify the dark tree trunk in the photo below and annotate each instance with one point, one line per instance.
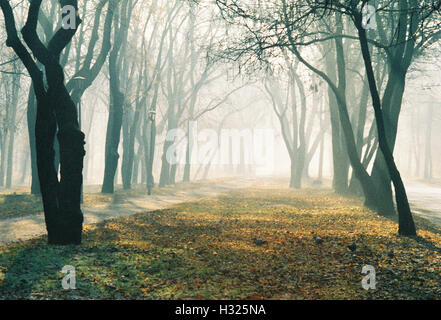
(116, 112)
(347, 131)
(61, 200)
(55, 109)
(340, 159)
(405, 220)
(354, 185)
(362, 175)
(112, 140)
(380, 172)
(129, 151)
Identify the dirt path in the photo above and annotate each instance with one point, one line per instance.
(425, 202)
(28, 227)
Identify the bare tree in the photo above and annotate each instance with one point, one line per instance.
(55, 107)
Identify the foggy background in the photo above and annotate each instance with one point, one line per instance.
(243, 102)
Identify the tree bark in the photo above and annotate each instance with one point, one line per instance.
(114, 125)
(55, 107)
(116, 110)
(405, 220)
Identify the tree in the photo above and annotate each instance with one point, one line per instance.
(117, 97)
(150, 68)
(11, 85)
(55, 107)
(265, 41)
(412, 14)
(292, 24)
(295, 138)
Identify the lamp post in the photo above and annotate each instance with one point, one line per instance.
(150, 178)
(152, 115)
(81, 87)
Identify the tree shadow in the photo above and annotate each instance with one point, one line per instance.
(427, 244)
(425, 225)
(33, 270)
(16, 205)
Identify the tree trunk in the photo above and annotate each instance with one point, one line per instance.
(173, 170)
(112, 141)
(405, 220)
(126, 173)
(354, 185)
(130, 148)
(61, 200)
(9, 168)
(24, 170)
(11, 125)
(428, 145)
(55, 108)
(380, 173)
(296, 175)
(164, 178)
(2, 157)
(187, 167)
(114, 124)
(340, 159)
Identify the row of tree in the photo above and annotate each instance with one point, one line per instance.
(155, 64)
(320, 65)
(345, 37)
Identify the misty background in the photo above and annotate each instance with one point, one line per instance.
(170, 53)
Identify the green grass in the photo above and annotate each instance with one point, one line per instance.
(22, 203)
(15, 205)
(204, 250)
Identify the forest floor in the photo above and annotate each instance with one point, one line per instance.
(21, 214)
(206, 249)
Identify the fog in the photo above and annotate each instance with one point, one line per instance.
(220, 149)
(200, 90)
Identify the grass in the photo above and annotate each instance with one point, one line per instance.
(204, 250)
(20, 202)
(15, 205)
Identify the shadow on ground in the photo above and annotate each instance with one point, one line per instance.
(34, 271)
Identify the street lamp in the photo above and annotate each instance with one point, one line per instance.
(150, 178)
(81, 84)
(152, 115)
